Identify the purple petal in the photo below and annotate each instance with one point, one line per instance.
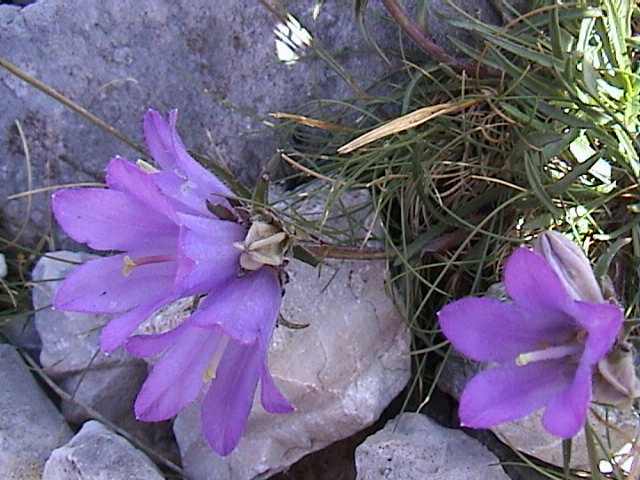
(228, 402)
(535, 287)
(157, 135)
(208, 257)
(177, 378)
(99, 286)
(567, 412)
(509, 392)
(142, 346)
(570, 264)
(126, 177)
(186, 195)
(603, 322)
(197, 184)
(116, 332)
(207, 181)
(245, 307)
(485, 329)
(273, 401)
(111, 220)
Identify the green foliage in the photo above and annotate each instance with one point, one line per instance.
(552, 143)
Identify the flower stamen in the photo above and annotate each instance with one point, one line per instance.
(212, 369)
(552, 353)
(146, 166)
(130, 263)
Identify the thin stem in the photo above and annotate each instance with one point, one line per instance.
(425, 43)
(70, 104)
(98, 416)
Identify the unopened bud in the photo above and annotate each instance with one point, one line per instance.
(570, 264)
(616, 382)
(265, 245)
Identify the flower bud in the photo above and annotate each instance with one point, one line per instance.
(265, 244)
(570, 264)
(615, 382)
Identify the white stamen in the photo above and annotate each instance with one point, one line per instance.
(146, 166)
(212, 370)
(128, 265)
(551, 353)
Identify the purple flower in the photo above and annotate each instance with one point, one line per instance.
(546, 344)
(173, 247)
(131, 216)
(225, 343)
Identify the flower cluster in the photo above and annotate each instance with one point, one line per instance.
(172, 246)
(548, 340)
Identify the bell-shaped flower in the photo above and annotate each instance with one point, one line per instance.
(173, 246)
(222, 346)
(545, 342)
(615, 382)
(131, 216)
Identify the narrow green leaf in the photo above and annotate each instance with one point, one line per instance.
(601, 268)
(304, 255)
(576, 172)
(590, 76)
(566, 458)
(532, 170)
(593, 454)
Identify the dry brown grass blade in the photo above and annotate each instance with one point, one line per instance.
(310, 122)
(406, 122)
(29, 193)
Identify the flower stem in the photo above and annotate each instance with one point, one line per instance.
(427, 44)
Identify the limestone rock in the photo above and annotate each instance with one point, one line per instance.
(96, 453)
(216, 61)
(30, 425)
(414, 447)
(340, 372)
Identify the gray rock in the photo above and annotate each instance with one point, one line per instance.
(21, 331)
(96, 453)
(340, 372)
(70, 355)
(215, 61)
(110, 390)
(414, 447)
(528, 434)
(30, 425)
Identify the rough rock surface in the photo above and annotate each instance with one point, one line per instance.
(30, 425)
(96, 453)
(340, 372)
(214, 61)
(414, 447)
(70, 354)
(528, 435)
